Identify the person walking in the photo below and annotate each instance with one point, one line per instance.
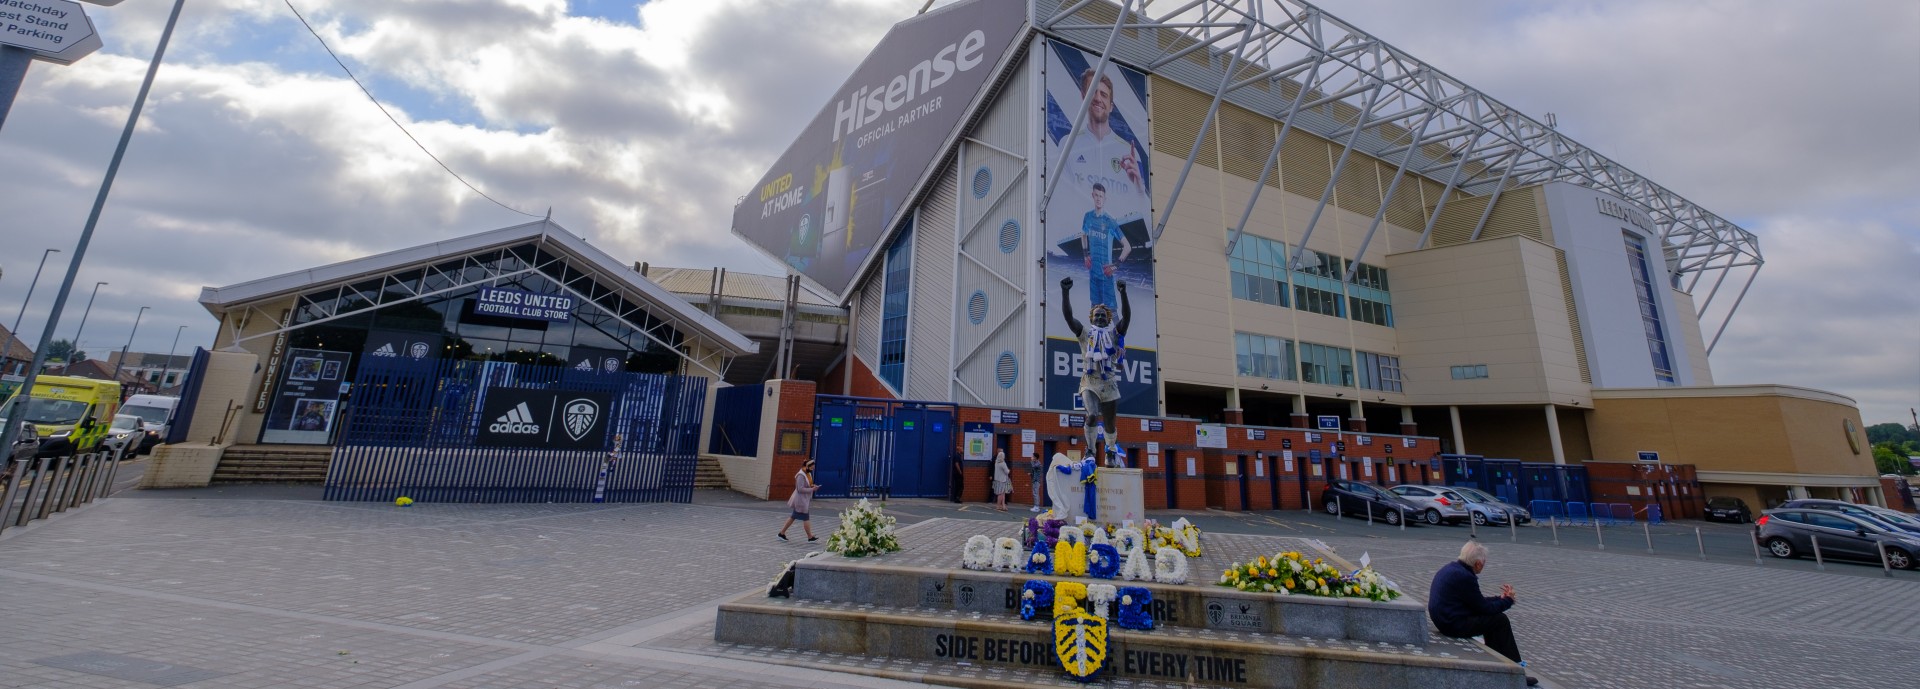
(801, 502)
(1458, 610)
(1036, 474)
(1002, 479)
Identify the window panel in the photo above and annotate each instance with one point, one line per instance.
(1255, 270)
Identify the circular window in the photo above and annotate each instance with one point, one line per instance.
(1006, 370)
(982, 182)
(977, 307)
(1009, 236)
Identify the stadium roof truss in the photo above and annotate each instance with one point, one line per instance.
(1366, 95)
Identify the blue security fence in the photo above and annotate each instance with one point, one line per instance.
(883, 448)
(1520, 483)
(411, 429)
(736, 420)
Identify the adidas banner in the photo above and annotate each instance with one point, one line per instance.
(552, 419)
(391, 344)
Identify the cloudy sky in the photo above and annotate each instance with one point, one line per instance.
(639, 124)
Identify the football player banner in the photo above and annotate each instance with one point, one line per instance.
(551, 419)
(1098, 224)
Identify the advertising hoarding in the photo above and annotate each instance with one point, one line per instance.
(824, 206)
(1097, 223)
(548, 419)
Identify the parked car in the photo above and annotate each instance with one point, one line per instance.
(1351, 497)
(155, 411)
(1483, 508)
(1788, 533)
(130, 436)
(1725, 509)
(25, 446)
(1849, 509)
(1894, 517)
(1438, 504)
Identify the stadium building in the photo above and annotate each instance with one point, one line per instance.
(1297, 220)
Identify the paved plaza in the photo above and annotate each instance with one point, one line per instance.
(264, 586)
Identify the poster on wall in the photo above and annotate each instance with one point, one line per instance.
(306, 399)
(1098, 224)
(824, 206)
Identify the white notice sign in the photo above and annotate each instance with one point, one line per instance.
(1029, 435)
(1287, 456)
(1026, 449)
(1190, 470)
(57, 31)
(1259, 468)
(1153, 448)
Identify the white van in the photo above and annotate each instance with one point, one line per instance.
(155, 411)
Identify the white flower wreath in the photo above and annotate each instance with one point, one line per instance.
(1099, 537)
(1099, 596)
(978, 553)
(1169, 566)
(1128, 539)
(1072, 534)
(1006, 554)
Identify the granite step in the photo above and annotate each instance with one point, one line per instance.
(1201, 657)
(835, 579)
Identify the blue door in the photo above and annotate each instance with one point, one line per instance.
(936, 451)
(910, 463)
(833, 451)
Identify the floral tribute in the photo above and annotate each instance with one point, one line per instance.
(1041, 561)
(1079, 637)
(1293, 573)
(1036, 599)
(863, 531)
(1103, 562)
(1070, 557)
(978, 553)
(1135, 602)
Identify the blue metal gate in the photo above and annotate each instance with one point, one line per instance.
(882, 448)
(411, 429)
(736, 420)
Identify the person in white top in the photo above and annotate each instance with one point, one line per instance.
(801, 502)
(1002, 479)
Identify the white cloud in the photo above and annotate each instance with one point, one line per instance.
(257, 156)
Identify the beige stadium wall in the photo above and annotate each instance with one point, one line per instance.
(1494, 302)
(1198, 316)
(238, 324)
(1760, 429)
(1687, 320)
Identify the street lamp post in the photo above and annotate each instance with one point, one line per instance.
(168, 367)
(23, 306)
(84, 314)
(129, 345)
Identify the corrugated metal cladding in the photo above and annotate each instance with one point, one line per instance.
(930, 314)
(996, 256)
(866, 320)
(1573, 318)
(1517, 213)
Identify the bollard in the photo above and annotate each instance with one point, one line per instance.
(1697, 540)
(1885, 569)
(1599, 537)
(1756, 549)
(1473, 527)
(11, 491)
(53, 487)
(1513, 532)
(72, 489)
(111, 475)
(85, 493)
(1818, 561)
(93, 484)
(1369, 514)
(1648, 528)
(26, 502)
(1403, 521)
(1554, 524)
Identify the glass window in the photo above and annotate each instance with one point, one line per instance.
(1829, 521)
(1326, 365)
(1379, 372)
(1316, 284)
(1470, 372)
(1261, 356)
(893, 311)
(1368, 295)
(1649, 309)
(1257, 273)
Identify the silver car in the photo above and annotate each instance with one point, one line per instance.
(1438, 504)
(1484, 508)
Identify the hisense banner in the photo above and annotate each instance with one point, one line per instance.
(1097, 224)
(842, 184)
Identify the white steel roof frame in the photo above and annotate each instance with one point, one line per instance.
(1339, 63)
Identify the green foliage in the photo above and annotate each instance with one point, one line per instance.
(1892, 433)
(1891, 458)
(63, 350)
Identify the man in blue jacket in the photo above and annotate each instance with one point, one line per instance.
(1458, 610)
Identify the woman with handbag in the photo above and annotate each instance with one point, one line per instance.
(801, 502)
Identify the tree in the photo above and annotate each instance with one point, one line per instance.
(63, 350)
(1891, 432)
(1891, 458)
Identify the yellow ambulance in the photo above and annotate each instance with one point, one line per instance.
(71, 414)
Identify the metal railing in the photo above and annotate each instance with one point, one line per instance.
(41, 487)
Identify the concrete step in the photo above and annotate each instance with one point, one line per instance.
(273, 464)
(1205, 657)
(834, 579)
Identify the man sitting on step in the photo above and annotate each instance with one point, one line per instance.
(1459, 611)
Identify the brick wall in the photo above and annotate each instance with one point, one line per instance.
(795, 415)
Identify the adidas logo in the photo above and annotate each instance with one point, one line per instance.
(518, 420)
(584, 365)
(386, 350)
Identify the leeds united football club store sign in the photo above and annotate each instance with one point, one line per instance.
(513, 303)
(552, 419)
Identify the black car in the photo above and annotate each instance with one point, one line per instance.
(1851, 510)
(1724, 509)
(1360, 500)
(1789, 533)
